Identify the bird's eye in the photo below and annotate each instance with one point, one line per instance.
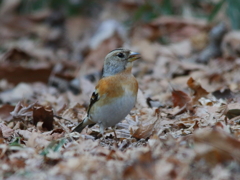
(121, 55)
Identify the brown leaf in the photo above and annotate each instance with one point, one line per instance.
(43, 114)
(17, 61)
(198, 91)
(5, 112)
(59, 131)
(218, 141)
(15, 55)
(6, 131)
(143, 130)
(142, 126)
(17, 163)
(180, 98)
(142, 167)
(74, 112)
(35, 140)
(24, 74)
(179, 28)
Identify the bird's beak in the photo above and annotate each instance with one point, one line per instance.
(133, 56)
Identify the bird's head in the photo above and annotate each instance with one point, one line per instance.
(118, 60)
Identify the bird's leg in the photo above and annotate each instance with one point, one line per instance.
(101, 128)
(112, 130)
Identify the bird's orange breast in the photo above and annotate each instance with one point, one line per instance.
(117, 85)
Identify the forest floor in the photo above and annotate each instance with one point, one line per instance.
(185, 124)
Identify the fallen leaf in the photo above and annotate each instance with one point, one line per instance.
(198, 91)
(35, 140)
(6, 131)
(74, 112)
(59, 131)
(218, 141)
(17, 60)
(144, 129)
(43, 114)
(180, 98)
(5, 112)
(142, 167)
(21, 111)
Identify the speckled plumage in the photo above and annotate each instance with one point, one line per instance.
(116, 92)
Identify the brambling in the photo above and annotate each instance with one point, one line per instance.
(116, 92)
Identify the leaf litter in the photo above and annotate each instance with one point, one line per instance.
(185, 124)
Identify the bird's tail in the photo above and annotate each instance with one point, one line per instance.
(82, 125)
(79, 127)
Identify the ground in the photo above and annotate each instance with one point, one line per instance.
(186, 121)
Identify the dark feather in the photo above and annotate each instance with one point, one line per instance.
(94, 98)
(83, 124)
(79, 127)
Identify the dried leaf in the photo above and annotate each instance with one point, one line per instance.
(5, 112)
(35, 140)
(143, 130)
(43, 114)
(198, 91)
(180, 98)
(21, 111)
(17, 60)
(6, 131)
(142, 167)
(216, 138)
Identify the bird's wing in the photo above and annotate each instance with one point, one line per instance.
(86, 121)
(94, 98)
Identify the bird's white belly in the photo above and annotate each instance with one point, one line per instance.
(111, 114)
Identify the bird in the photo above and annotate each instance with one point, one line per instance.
(115, 94)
